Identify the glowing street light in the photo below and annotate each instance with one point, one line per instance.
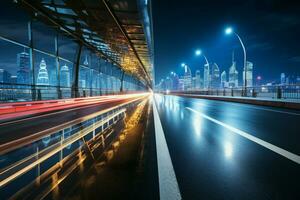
(198, 52)
(186, 68)
(229, 31)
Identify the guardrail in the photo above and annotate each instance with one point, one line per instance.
(272, 92)
(54, 145)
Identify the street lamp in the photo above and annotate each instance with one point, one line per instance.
(229, 31)
(186, 68)
(173, 73)
(198, 52)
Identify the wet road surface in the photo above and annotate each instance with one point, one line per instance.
(212, 160)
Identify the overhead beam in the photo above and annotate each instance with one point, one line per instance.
(118, 23)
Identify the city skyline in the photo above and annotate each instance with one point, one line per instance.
(217, 79)
(268, 35)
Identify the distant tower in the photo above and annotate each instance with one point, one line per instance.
(43, 78)
(187, 79)
(282, 79)
(65, 76)
(215, 76)
(206, 77)
(233, 74)
(86, 63)
(84, 74)
(249, 69)
(4, 76)
(198, 80)
(23, 73)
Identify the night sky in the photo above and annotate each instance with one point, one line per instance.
(269, 29)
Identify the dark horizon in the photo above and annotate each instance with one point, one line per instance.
(269, 30)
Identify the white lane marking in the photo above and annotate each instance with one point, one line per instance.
(168, 185)
(278, 150)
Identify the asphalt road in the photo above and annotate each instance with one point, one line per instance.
(223, 150)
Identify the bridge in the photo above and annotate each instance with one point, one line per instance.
(80, 117)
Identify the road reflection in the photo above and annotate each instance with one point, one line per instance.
(194, 126)
(228, 149)
(197, 124)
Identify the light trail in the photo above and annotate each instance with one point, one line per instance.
(31, 108)
(18, 169)
(17, 143)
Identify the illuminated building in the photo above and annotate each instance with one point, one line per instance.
(249, 71)
(233, 74)
(23, 73)
(198, 80)
(206, 76)
(215, 76)
(43, 78)
(65, 76)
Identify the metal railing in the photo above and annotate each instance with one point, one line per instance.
(287, 92)
(28, 162)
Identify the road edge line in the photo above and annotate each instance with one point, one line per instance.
(168, 185)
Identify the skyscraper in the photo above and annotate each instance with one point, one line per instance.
(181, 84)
(193, 83)
(169, 83)
(282, 78)
(175, 81)
(23, 73)
(65, 76)
(249, 71)
(224, 79)
(198, 80)
(4, 76)
(43, 78)
(84, 74)
(13, 79)
(233, 74)
(215, 76)
(86, 62)
(206, 77)
(187, 79)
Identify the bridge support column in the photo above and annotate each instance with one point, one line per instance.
(31, 57)
(75, 92)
